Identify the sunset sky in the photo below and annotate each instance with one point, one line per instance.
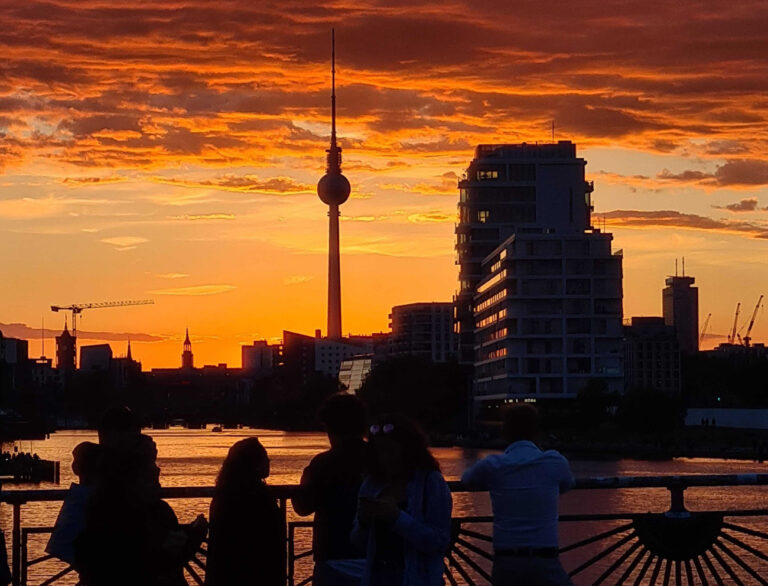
(171, 151)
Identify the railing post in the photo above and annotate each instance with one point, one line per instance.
(16, 544)
(677, 498)
(283, 504)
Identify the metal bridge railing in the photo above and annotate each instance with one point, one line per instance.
(671, 547)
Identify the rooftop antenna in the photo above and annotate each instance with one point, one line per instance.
(675, 266)
(683, 266)
(553, 130)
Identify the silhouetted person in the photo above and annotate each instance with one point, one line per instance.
(329, 488)
(86, 464)
(131, 536)
(5, 570)
(403, 520)
(525, 485)
(246, 544)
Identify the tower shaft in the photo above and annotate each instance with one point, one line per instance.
(334, 274)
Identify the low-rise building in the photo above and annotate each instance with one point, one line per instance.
(651, 355)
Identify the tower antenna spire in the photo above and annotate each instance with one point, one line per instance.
(333, 87)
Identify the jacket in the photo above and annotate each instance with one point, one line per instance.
(425, 527)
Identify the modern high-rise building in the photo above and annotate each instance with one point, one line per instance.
(423, 329)
(539, 306)
(510, 189)
(681, 309)
(333, 189)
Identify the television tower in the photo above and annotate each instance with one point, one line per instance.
(333, 189)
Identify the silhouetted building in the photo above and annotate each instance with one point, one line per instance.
(651, 356)
(329, 353)
(43, 374)
(423, 329)
(303, 356)
(65, 351)
(259, 358)
(681, 309)
(187, 358)
(509, 189)
(14, 368)
(298, 356)
(124, 370)
(333, 189)
(95, 358)
(548, 317)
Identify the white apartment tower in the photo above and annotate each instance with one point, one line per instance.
(539, 307)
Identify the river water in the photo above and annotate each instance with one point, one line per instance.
(193, 458)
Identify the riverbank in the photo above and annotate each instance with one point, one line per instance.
(615, 444)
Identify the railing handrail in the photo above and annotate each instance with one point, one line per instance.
(286, 491)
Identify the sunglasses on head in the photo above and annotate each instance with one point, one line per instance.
(386, 428)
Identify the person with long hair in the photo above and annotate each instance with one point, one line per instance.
(403, 520)
(246, 543)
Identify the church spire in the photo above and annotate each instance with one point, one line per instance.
(187, 358)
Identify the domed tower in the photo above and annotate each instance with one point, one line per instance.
(333, 189)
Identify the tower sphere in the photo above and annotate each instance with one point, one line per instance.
(333, 189)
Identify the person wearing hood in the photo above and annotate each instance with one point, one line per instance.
(525, 484)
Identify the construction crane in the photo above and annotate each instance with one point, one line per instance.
(747, 338)
(732, 335)
(704, 329)
(77, 308)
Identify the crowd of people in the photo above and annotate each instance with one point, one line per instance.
(382, 509)
(22, 466)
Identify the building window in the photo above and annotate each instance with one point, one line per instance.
(483, 216)
(522, 172)
(487, 174)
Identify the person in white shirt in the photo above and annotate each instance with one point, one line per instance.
(525, 484)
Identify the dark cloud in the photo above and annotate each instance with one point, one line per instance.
(247, 183)
(742, 172)
(748, 204)
(725, 147)
(88, 125)
(685, 176)
(20, 330)
(442, 145)
(80, 181)
(734, 172)
(674, 219)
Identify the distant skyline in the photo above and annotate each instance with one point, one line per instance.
(171, 151)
